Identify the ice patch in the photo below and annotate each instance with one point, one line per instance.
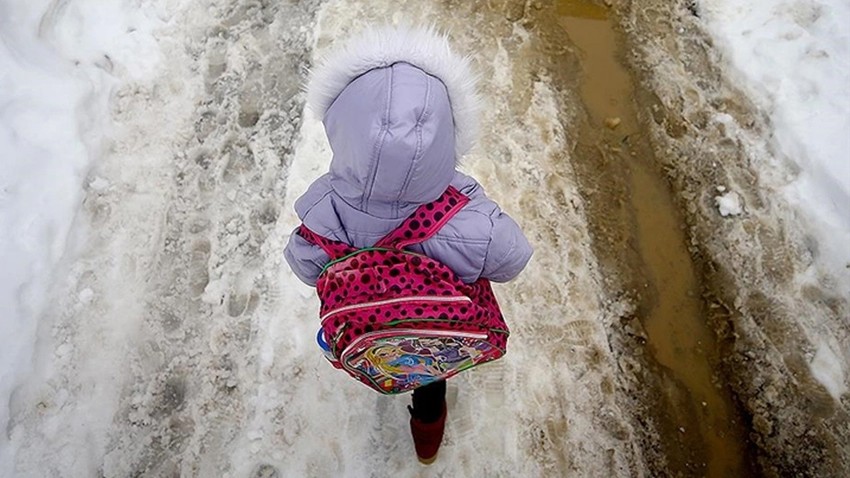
(827, 367)
(729, 204)
(86, 295)
(214, 292)
(99, 184)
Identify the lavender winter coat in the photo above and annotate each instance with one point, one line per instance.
(393, 138)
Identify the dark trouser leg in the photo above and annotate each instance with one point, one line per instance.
(428, 402)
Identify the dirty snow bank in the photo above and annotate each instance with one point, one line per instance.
(793, 59)
(57, 61)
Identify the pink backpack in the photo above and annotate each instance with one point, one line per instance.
(397, 320)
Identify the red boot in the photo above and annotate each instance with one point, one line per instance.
(427, 436)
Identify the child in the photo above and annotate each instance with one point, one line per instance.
(399, 108)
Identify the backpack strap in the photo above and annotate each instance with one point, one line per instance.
(425, 221)
(334, 249)
(418, 227)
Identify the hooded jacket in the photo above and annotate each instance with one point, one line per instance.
(399, 108)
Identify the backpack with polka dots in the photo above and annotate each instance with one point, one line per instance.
(397, 320)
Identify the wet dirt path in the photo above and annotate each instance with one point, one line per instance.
(668, 290)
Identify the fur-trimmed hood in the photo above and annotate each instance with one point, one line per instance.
(399, 108)
(424, 48)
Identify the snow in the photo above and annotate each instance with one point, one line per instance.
(729, 204)
(92, 208)
(179, 343)
(56, 61)
(792, 57)
(828, 368)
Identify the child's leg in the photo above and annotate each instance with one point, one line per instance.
(428, 420)
(428, 402)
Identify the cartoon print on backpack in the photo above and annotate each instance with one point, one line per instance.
(417, 361)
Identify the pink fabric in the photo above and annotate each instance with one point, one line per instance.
(418, 292)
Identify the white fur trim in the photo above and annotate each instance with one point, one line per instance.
(421, 47)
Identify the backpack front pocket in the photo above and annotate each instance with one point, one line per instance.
(399, 360)
(345, 324)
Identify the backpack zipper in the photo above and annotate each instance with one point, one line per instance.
(426, 298)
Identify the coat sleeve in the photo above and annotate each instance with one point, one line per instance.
(306, 260)
(508, 252)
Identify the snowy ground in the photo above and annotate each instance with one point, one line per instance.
(177, 340)
(150, 156)
(774, 286)
(793, 60)
(54, 94)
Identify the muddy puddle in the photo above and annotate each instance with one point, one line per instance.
(639, 234)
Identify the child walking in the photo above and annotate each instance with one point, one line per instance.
(400, 108)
